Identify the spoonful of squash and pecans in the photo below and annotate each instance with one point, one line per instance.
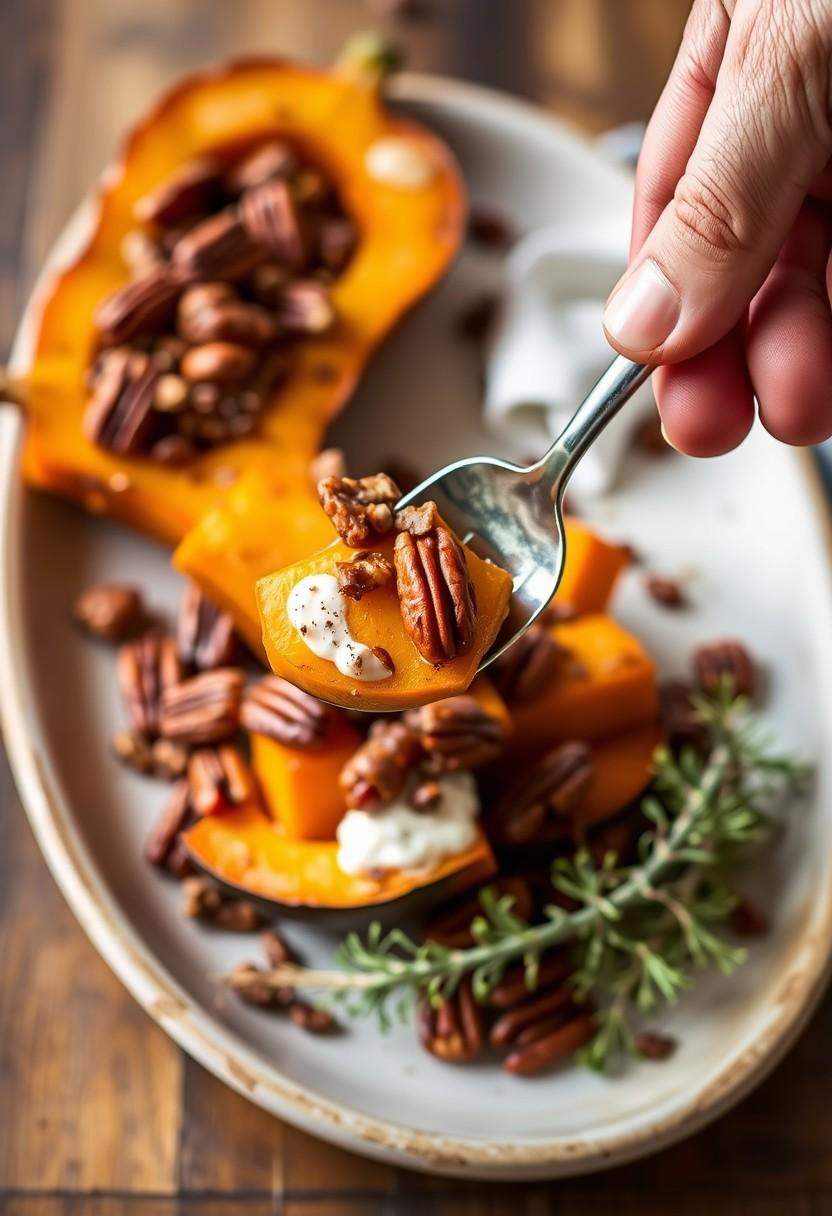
(421, 591)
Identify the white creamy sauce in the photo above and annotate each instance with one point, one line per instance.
(399, 838)
(400, 162)
(318, 610)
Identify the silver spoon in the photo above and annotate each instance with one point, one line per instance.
(513, 515)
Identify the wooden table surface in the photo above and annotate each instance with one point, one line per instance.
(100, 1114)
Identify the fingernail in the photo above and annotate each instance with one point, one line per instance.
(643, 312)
(667, 440)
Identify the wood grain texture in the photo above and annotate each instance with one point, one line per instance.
(93, 1097)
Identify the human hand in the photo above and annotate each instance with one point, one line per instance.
(730, 272)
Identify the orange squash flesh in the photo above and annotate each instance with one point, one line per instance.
(376, 620)
(609, 686)
(300, 788)
(258, 529)
(622, 768)
(407, 238)
(245, 850)
(592, 568)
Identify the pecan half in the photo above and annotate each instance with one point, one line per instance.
(272, 159)
(204, 633)
(668, 592)
(513, 989)
(436, 595)
(218, 362)
(146, 669)
(528, 667)
(270, 217)
(191, 188)
(377, 772)
(366, 572)
(120, 414)
(552, 1048)
(203, 709)
(539, 804)
(203, 900)
(216, 248)
(275, 708)
(457, 733)
(228, 321)
(276, 949)
(219, 778)
(359, 507)
(114, 611)
(537, 1006)
(141, 307)
(173, 819)
(454, 1032)
(725, 664)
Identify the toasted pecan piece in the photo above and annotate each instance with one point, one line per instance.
(377, 772)
(366, 572)
(359, 507)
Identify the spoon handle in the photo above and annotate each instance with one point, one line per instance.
(601, 404)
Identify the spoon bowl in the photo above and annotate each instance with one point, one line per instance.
(512, 515)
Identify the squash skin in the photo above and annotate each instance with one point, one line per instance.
(407, 239)
(376, 620)
(247, 854)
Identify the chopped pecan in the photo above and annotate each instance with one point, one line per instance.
(304, 307)
(133, 749)
(457, 732)
(219, 778)
(168, 759)
(359, 507)
(554, 1047)
(539, 804)
(311, 1018)
(451, 924)
(489, 226)
(747, 920)
(272, 159)
(216, 248)
(204, 633)
(251, 984)
(529, 666)
(140, 307)
(174, 818)
(114, 611)
(146, 669)
(366, 572)
(418, 521)
(477, 317)
(270, 217)
(218, 362)
(668, 592)
(652, 1045)
(725, 664)
(337, 240)
(681, 722)
(276, 949)
(454, 1032)
(192, 187)
(377, 772)
(120, 414)
(203, 709)
(203, 900)
(436, 595)
(275, 708)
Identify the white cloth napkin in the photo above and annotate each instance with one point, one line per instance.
(549, 348)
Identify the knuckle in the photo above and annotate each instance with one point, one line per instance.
(706, 220)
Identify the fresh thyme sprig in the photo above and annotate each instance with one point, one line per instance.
(638, 931)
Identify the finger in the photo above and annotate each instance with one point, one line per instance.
(789, 338)
(706, 403)
(674, 127)
(758, 151)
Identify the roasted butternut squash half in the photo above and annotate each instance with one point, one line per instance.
(379, 664)
(246, 851)
(283, 159)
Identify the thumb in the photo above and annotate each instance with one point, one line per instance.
(712, 246)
